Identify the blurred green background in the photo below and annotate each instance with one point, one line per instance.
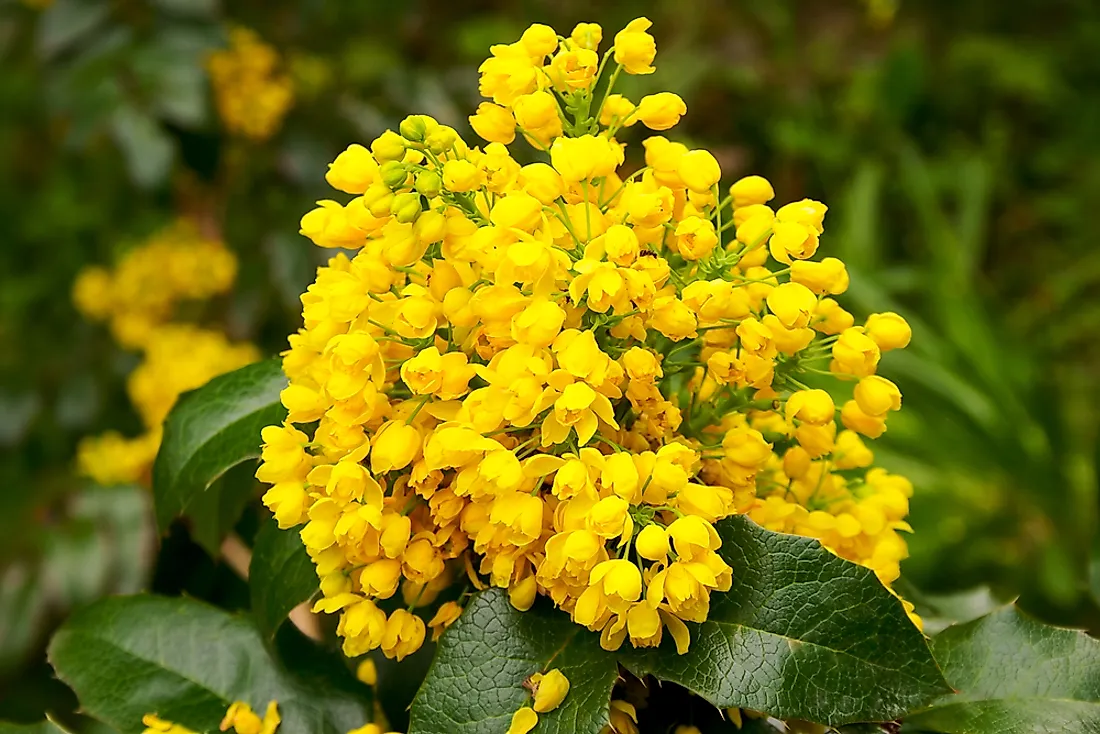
(955, 141)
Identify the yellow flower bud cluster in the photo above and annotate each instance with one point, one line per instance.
(554, 378)
(251, 90)
(138, 298)
(146, 286)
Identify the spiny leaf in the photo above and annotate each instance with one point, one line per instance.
(1014, 675)
(802, 634)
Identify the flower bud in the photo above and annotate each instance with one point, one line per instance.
(660, 111)
(415, 127)
(888, 331)
(441, 139)
(389, 146)
(699, 170)
(429, 183)
(877, 396)
(652, 543)
(394, 174)
(377, 200)
(751, 190)
(461, 176)
(634, 48)
(494, 123)
(405, 208)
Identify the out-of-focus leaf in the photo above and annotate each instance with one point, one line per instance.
(148, 148)
(1014, 675)
(66, 21)
(189, 8)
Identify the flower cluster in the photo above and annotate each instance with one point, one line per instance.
(555, 378)
(241, 719)
(146, 286)
(138, 299)
(252, 91)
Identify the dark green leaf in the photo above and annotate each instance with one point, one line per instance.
(187, 661)
(1014, 676)
(211, 430)
(281, 576)
(213, 513)
(802, 634)
(475, 683)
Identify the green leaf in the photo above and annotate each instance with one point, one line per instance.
(211, 430)
(215, 512)
(281, 576)
(802, 634)
(42, 727)
(1014, 675)
(147, 147)
(475, 683)
(187, 661)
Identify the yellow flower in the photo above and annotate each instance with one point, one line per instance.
(367, 672)
(855, 353)
(523, 721)
(695, 238)
(888, 330)
(811, 406)
(751, 190)
(652, 543)
(551, 688)
(404, 634)
(445, 616)
(537, 114)
(617, 110)
(585, 158)
(494, 123)
(353, 171)
(699, 170)
(157, 725)
(634, 48)
(660, 111)
(587, 35)
(793, 304)
(244, 721)
(828, 276)
(877, 396)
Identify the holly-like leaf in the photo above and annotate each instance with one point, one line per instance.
(1014, 675)
(187, 661)
(475, 683)
(801, 634)
(281, 576)
(211, 430)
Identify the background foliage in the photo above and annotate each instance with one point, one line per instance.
(954, 141)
